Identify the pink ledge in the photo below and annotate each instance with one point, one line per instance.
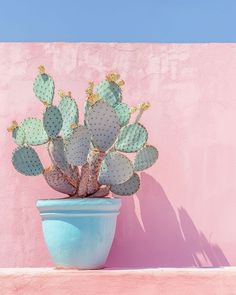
(49, 281)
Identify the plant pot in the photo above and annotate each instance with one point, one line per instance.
(79, 232)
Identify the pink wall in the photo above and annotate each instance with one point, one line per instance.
(184, 214)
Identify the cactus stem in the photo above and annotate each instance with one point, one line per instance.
(142, 108)
(13, 126)
(41, 69)
(69, 94)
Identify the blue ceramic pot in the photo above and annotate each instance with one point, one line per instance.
(79, 232)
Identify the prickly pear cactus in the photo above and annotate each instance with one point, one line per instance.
(109, 91)
(52, 121)
(57, 153)
(103, 125)
(44, 87)
(87, 161)
(18, 135)
(56, 180)
(145, 158)
(115, 168)
(70, 115)
(77, 147)
(34, 131)
(128, 188)
(123, 113)
(131, 138)
(26, 161)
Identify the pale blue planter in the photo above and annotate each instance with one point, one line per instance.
(79, 232)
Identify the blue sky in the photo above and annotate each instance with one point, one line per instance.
(120, 21)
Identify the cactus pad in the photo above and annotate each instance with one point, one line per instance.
(57, 153)
(34, 131)
(103, 125)
(109, 91)
(130, 187)
(44, 88)
(123, 113)
(70, 114)
(145, 158)
(77, 147)
(115, 168)
(52, 121)
(26, 161)
(131, 138)
(57, 180)
(18, 135)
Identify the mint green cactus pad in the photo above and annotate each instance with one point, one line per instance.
(109, 91)
(44, 88)
(26, 161)
(123, 113)
(70, 115)
(57, 153)
(34, 131)
(18, 135)
(128, 188)
(52, 121)
(115, 168)
(131, 138)
(57, 180)
(77, 147)
(103, 125)
(145, 158)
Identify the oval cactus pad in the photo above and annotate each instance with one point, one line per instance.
(34, 131)
(57, 180)
(145, 158)
(115, 168)
(109, 91)
(52, 121)
(123, 113)
(18, 135)
(131, 138)
(103, 125)
(26, 161)
(130, 187)
(77, 147)
(57, 153)
(44, 88)
(69, 111)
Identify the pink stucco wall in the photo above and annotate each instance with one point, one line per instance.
(184, 214)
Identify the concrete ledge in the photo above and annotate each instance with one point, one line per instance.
(167, 281)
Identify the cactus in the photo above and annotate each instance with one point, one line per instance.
(70, 115)
(145, 158)
(44, 87)
(127, 188)
(52, 121)
(77, 147)
(87, 160)
(56, 180)
(26, 161)
(34, 131)
(131, 138)
(103, 125)
(109, 91)
(123, 113)
(57, 153)
(115, 168)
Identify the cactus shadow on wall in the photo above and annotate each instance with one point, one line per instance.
(150, 234)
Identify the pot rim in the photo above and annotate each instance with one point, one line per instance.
(82, 205)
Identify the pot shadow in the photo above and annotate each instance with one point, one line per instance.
(149, 234)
